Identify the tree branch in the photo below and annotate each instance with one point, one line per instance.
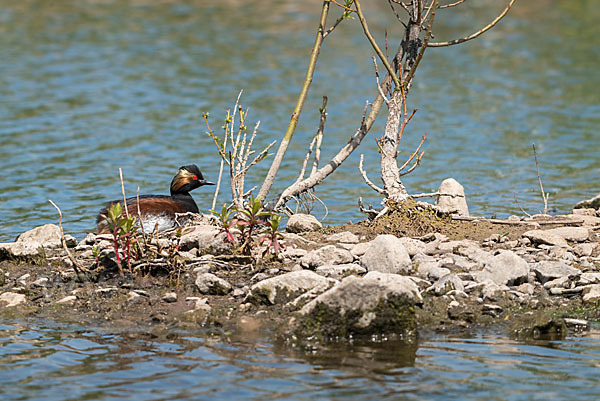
(476, 34)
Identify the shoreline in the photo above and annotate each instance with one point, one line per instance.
(536, 279)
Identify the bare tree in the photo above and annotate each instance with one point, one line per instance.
(418, 23)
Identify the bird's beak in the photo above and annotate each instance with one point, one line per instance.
(204, 182)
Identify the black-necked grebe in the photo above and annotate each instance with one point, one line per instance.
(160, 209)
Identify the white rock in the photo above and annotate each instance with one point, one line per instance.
(445, 284)
(329, 254)
(359, 249)
(169, 297)
(452, 204)
(366, 304)
(209, 284)
(338, 272)
(593, 203)
(545, 237)
(506, 268)
(413, 246)
(550, 270)
(68, 300)
(32, 252)
(591, 293)
(345, 237)
(298, 223)
(12, 298)
(386, 254)
(284, 288)
(47, 236)
(40, 282)
(589, 278)
(205, 238)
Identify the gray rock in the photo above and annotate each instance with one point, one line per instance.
(377, 304)
(338, 272)
(593, 203)
(452, 204)
(589, 278)
(445, 284)
(413, 246)
(284, 288)
(492, 291)
(345, 237)
(591, 294)
(574, 234)
(198, 303)
(23, 252)
(68, 300)
(293, 253)
(386, 254)
(506, 268)
(205, 238)
(47, 236)
(40, 282)
(584, 249)
(561, 282)
(329, 254)
(551, 270)
(359, 249)
(430, 269)
(545, 237)
(298, 223)
(12, 298)
(209, 284)
(169, 297)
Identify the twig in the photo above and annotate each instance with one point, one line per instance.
(364, 175)
(382, 57)
(476, 34)
(524, 212)
(76, 266)
(123, 192)
(452, 4)
(379, 88)
(319, 136)
(432, 194)
(270, 178)
(544, 195)
(140, 219)
(415, 153)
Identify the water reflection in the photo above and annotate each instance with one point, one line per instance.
(60, 362)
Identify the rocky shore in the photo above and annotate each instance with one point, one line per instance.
(537, 277)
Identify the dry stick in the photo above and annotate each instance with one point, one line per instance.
(476, 34)
(137, 196)
(382, 57)
(518, 204)
(364, 175)
(123, 192)
(270, 178)
(305, 161)
(544, 195)
(319, 136)
(452, 4)
(423, 138)
(78, 268)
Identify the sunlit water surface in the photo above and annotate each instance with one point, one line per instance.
(87, 87)
(61, 362)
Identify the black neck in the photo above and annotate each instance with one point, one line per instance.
(187, 200)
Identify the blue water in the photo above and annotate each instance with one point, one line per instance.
(89, 87)
(62, 362)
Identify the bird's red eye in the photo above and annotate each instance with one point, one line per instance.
(194, 178)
